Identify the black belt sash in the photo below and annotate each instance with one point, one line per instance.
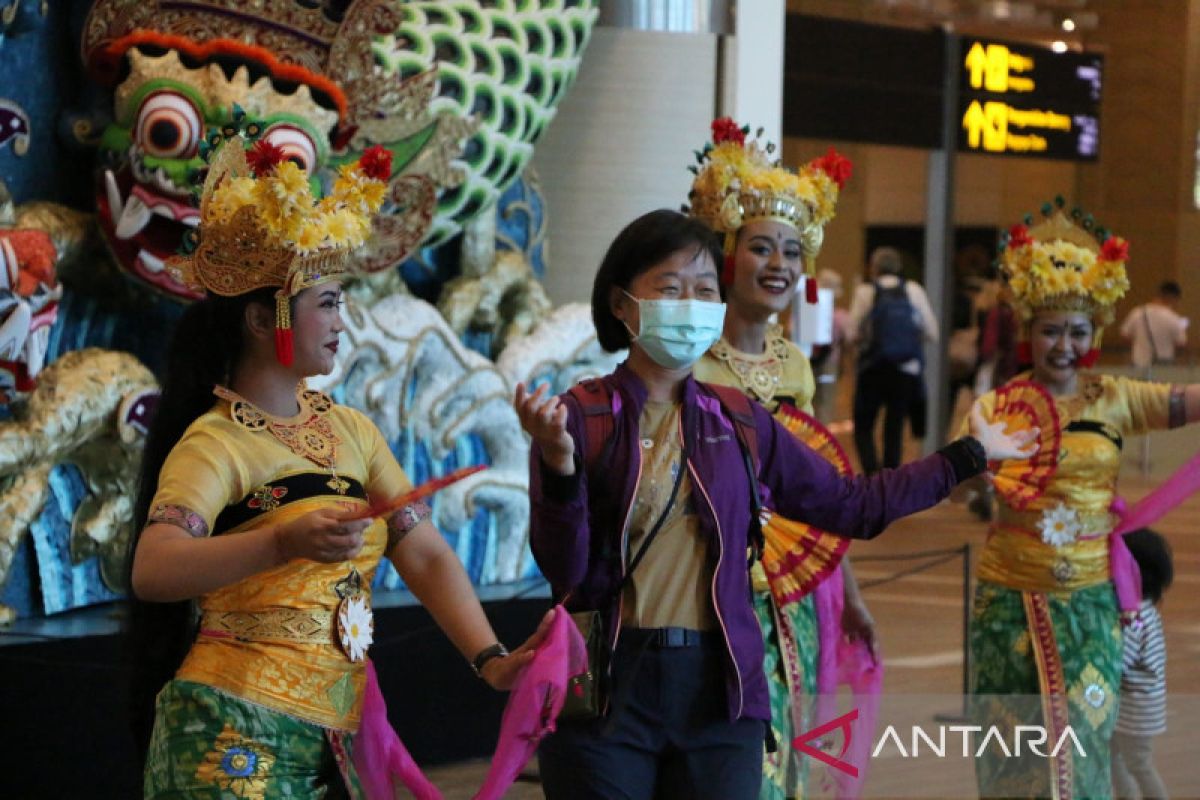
(1091, 426)
(291, 489)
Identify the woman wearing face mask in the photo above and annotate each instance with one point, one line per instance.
(1053, 581)
(767, 252)
(254, 492)
(650, 527)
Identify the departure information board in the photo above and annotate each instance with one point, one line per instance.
(1029, 101)
(852, 81)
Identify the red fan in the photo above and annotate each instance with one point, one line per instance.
(1022, 405)
(797, 556)
(424, 490)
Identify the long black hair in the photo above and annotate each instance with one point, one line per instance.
(204, 349)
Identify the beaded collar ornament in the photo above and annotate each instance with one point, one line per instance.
(737, 182)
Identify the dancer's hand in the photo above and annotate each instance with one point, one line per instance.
(544, 418)
(859, 626)
(501, 672)
(327, 535)
(998, 444)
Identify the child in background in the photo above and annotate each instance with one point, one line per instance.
(1143, 705)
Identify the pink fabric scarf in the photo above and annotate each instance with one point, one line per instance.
(845, 663)
(534, 703)
(1126, 577)
(380, 758)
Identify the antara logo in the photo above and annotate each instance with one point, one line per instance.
(1025, 738)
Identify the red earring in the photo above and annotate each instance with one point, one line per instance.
(727, 270)
(810, 290)
(1089, 359)
(1024, 353)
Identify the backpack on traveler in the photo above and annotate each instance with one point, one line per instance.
(893, 330)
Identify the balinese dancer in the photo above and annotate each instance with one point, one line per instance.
(1053, 577)
(771, 222)
(263, 503)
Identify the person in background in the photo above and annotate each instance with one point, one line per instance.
(890, 320)
(827, 359)
(1155, 330)
(1142, 713)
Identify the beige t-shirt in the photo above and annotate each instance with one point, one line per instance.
(672, 587)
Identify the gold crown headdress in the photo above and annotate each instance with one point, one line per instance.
(260, 226)
(737, 183)
(1065, 264)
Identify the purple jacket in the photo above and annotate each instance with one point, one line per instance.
(578, 527)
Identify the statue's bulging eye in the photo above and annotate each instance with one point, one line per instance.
(168, 126)
(296, 145)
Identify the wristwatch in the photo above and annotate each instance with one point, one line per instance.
(485, 655)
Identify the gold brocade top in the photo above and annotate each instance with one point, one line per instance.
(269, 638)
(781, 373)
(1057, 542)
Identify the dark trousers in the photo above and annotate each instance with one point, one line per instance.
(668, 734)
(886, 387)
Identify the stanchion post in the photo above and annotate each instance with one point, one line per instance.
(962, 715)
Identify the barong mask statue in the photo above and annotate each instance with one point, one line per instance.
(328, 80)
(183, 72)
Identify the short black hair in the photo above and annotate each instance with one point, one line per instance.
(1170, 289)
(647, 241)
(1153, 556)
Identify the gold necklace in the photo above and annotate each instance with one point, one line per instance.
(308, 434)
(758, 374)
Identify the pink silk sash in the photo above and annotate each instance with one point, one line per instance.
(536, 699)
(1126, 577)
(380, 758)
(851, 664)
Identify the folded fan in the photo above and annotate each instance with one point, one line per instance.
(419, 493)
(797, 556)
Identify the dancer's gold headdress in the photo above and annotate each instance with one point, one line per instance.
(737, 183)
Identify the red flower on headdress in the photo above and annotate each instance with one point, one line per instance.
(1018, 236)
(725, 129)
(376, 162)
(1114, 249)
(836, 166)
(264, 156)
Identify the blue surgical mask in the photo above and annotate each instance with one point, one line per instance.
(675, 333)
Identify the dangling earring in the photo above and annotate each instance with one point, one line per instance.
(284, 352)
(727, 270)
(1024, 353)
(1089, 359)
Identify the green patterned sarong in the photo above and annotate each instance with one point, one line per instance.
(785, 770)
(1086, 632)
(209, 744)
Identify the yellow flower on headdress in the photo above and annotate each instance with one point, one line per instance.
(1058, 265)
(737, 182)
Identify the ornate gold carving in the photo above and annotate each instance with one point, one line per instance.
(310, 625)
(260, 99)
